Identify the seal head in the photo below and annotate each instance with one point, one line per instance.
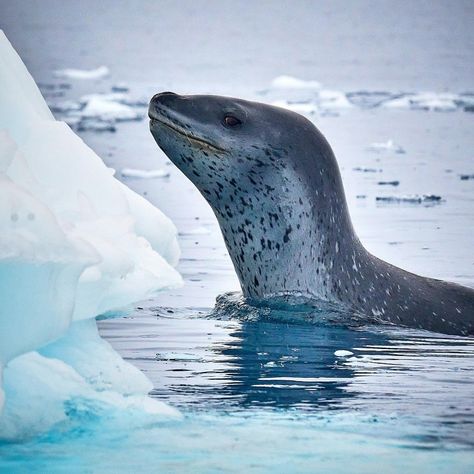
(274, 185)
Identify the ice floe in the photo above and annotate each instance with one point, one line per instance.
(99, 73)
(343, 353)
(440, 102)
(146, 174)
(304, 108)
(196, 231)
(427, 199)
(104, 109)
(310, 97)
(290, 82)
(364, 169)
(388, 146)
(100, 112)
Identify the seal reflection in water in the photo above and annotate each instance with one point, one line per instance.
(273, 183)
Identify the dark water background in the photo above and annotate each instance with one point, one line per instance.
(263, 395)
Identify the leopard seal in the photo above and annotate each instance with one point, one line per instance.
(274, 185)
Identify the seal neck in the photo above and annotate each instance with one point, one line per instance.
(291, 237)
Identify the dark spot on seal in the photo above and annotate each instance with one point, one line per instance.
(286, 237)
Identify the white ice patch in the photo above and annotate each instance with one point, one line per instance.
(105, 109)
(304, 108)
(290, 82)
(388, 146)
(100, 112)
(146, 174)
(99, 73)
(343, 353)
(196, 231)
(74, 243)
(309, 98)
(306, 97)
(425, 199)
(440, 102)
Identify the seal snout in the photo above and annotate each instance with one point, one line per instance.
(160, 102)
(162, 96)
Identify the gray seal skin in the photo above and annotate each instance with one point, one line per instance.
(274, 185)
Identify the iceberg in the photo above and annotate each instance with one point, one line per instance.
(75, 243)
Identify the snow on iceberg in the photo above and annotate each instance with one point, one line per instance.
(74, 243)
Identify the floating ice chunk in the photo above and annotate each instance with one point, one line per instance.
(112, 97)
(367, 170)
(98, 73)
(136, 173)
(289, 82)
(179, 357)
(410, 199)
(441, 102)
(343, 353)
(321, 101)
(119, 97)
(305, 108)
(196, 231)
(99, 112)
(388, 146)
(369, 99)
(106, 109)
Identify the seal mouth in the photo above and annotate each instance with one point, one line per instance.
(190, 137)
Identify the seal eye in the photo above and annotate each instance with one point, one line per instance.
(231, 121)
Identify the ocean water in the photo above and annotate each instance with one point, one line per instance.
(261, 393)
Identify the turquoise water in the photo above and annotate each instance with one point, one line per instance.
(258, 442)
(261, 395)
(258, 391)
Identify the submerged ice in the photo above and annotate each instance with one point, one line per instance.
(74, 243)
